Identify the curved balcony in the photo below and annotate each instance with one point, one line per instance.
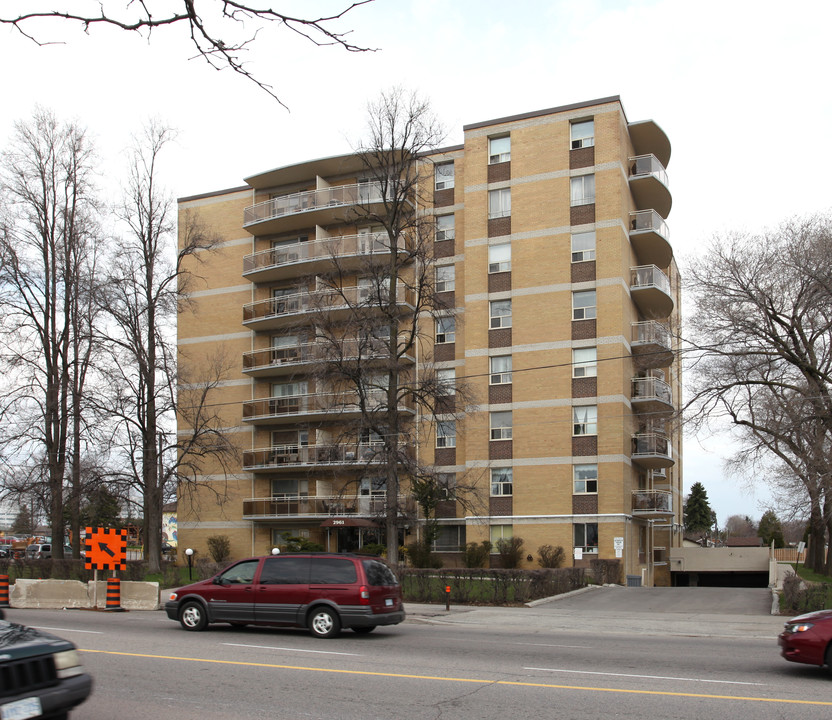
(326, 206)
(288, 310)
(291, 409)
(276, 361)
(315, 457)
(652, 502)
(648, 184)
(650, 290)
(652, 344)
(322, 506)
(648, 138)
(316, 256)
(651, 395)
(649, 237)
(652, 450)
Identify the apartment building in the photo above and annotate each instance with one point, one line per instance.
(551, 252)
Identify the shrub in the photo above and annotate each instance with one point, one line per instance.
(606, 571)
(510, 551)
(800, 596)
(476, 554)
(293, 544)
(550, 557)
(373, 549)
(420, 556)
(219, 547)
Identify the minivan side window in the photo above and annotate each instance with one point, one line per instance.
(378, 573)
(241, 573)
(332, 571)
(285, 571)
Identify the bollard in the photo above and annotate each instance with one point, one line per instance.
(113, 594)
(4, 591)
(448, 598)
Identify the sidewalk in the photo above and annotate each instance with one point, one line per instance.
(612, 613)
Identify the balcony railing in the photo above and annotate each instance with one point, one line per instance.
(650, 238)
(652, 449)
(650, 332)
(653, 393)
(309, 200)
(276, 357)
(323, 249)
(650, 289)
(648, 165)
(291, 456)
(652, 502)
(310, 404)
(649, 276)
(329, 300)
(322, 506)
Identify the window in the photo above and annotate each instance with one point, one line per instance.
(285, 571)
(445, 227)
(445, 277)
(500, 314)
(288, 487)
(585, 479)
(501, 425)
(501, 532)
(444, 176)
(499, 203)
(501, 481)
(372, 486)
(446, 485)
(583, 190)
(289, 389)
(499, 258)
(450, 538)
(446, 379)
(585, 420)
(331, 571)
(583, 305)
(373, 290)
(586, 537)
(242, 573)
(446, 434)
(583, 246)
(582, 134)
(499, 149)
(500, 369)
(584, 362)
(445, 330)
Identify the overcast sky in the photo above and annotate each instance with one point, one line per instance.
(740, 87)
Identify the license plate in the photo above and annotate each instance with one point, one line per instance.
(388, 602)
(21, 709)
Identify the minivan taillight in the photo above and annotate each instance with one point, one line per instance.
(364, 594)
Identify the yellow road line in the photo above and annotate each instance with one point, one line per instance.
(462, 680)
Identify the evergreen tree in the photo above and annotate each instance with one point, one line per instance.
(24, 524)
(771, 529)
(698, 513)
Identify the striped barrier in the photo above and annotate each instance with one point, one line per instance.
(4, 591)
(113, 594)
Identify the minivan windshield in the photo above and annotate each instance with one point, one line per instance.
(378, 573)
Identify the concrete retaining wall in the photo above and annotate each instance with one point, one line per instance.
(53, 594)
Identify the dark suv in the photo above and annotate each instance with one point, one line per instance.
(320, 591)
(40, 674)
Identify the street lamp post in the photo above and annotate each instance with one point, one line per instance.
(190, 554)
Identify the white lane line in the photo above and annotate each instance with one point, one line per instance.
(647, 677)
(269, 647)
(581, 647)
(63, 630)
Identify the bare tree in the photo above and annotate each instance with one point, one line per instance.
(221, 34)
(762, 349)
(147, 281)
(48, 241)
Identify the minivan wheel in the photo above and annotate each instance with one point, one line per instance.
(192, 616)
(324, 623)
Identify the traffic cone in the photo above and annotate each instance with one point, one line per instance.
(4, 591)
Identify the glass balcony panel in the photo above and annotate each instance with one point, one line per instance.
(652, 502)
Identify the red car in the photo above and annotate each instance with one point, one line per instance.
(808, 639)
(323, 592)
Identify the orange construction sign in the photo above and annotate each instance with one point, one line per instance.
(106, 549)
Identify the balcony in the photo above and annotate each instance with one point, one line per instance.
(277, 361)
(291, 409)
(326, 206)
(312, 457)
(651, 395)
(288, 310)
(650, 290)
(323, 507)
(650, 238)
(316, 256)
(652, 344)
(648, 184)
(652, 502)
(652, 450)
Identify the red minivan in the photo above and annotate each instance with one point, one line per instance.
(323, 592)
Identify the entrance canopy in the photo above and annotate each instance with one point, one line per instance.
(349, 522)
